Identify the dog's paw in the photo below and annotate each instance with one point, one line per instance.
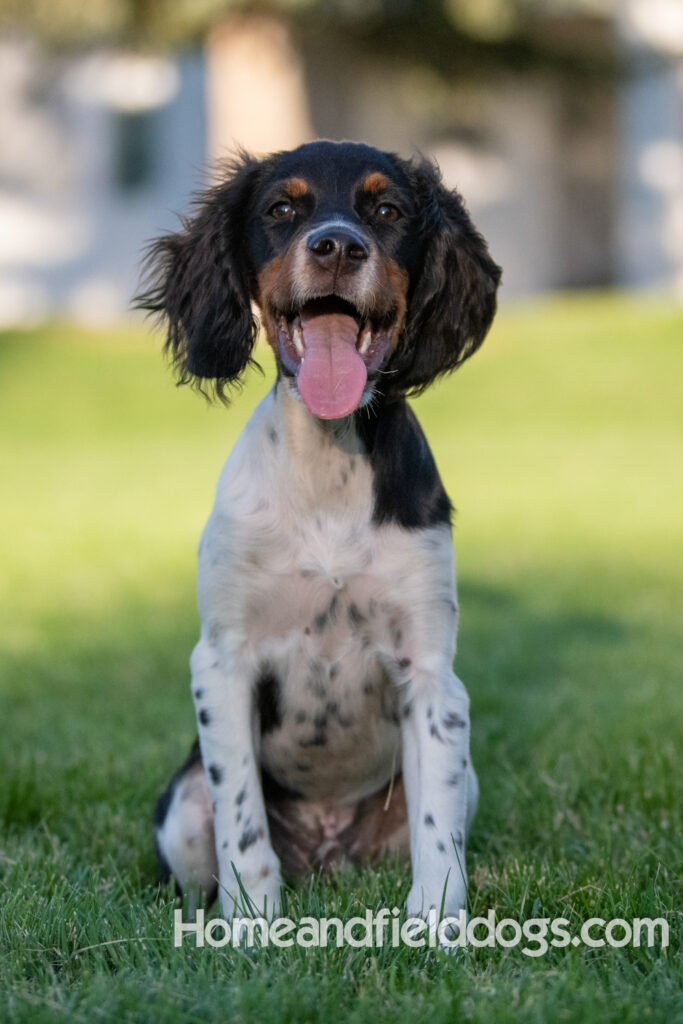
(443, 911)
(249, 896)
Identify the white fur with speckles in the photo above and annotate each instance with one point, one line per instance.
(356, 622)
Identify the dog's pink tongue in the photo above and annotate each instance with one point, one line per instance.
(332, 374)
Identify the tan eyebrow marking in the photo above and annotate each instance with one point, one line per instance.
(296, 187)
(375, 182)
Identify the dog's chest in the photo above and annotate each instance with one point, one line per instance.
(319, 600)
(333, 635)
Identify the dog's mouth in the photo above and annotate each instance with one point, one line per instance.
(330, 346)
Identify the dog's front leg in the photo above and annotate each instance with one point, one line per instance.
(228, 735)
(440, 790)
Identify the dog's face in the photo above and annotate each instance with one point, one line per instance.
(367, 272)
(334, 241)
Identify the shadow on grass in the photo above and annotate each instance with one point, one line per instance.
(101, 713)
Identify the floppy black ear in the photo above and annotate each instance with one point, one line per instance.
(198, 281)
(451, 306)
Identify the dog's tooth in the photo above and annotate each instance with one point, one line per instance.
(365, 339)
(298, 338)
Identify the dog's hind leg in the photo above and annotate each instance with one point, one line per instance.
(184, 833)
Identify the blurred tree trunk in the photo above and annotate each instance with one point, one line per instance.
(256, 94)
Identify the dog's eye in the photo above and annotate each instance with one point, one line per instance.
(282, 211)
(388, 212)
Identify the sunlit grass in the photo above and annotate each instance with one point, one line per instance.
(560, 444)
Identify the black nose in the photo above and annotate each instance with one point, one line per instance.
(332, 245)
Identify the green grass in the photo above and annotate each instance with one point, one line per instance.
(560, 444)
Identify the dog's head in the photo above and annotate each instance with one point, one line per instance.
(367, 271)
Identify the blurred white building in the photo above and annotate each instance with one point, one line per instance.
(98, 151)
(572, 187)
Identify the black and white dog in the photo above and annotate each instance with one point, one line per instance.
(330, 721)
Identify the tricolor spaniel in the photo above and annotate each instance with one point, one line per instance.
(331, 723)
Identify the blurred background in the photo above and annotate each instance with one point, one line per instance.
(561, 121)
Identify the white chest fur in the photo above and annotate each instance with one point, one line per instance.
(331, 610)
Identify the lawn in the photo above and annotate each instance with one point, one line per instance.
(561, 446)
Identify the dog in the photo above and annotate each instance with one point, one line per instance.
(330, 722)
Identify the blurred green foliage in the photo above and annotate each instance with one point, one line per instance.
(453, 36)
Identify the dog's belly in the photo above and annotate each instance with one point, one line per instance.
(336, 738)
(331, 707)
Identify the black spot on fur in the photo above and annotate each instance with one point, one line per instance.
(433, 731)
(319, 739)
(404, 663)
(328, 615)
(453, 721)
(319, 622)
(198, 693)
(273, 435)
(333, 709)
(300, 717)
(268, 700)
(334, 670)
(429, 820)
(239, 799)
(440, 847)
(247, 839)
(317, 678)
(316, 687)
(216, 774)
(453, 779)
(204, 717)
(224, 844)
(356, 618)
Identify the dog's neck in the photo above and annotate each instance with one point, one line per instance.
(307, 435)
(325, 457)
